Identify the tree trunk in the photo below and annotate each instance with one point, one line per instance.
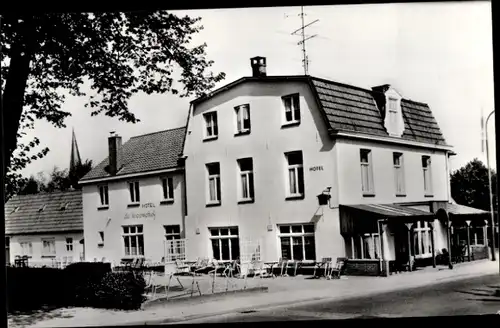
(15, 87)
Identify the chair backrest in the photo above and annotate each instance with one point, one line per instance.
(326, 259)
(341, 261)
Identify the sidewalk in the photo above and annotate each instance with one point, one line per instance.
(282, 291)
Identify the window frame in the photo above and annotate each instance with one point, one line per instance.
(135, 235)
(50, 241)
(370, 191)
(291, 235)
(103, 190)
(135, 196)
(218, 184)
(249, 174)
(240, 120)
(70, 244)
(427, 173)
(298, 170)
(170, 189)
(399, 172)
(294, 111)
(29, 244)
(423, 234)
(220, 237)
(210, 120)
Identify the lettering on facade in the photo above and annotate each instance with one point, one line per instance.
(148, 205)
(316, 168)
(143, 215)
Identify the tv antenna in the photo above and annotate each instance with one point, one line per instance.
(305, 59)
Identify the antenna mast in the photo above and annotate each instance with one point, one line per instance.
(305, 60)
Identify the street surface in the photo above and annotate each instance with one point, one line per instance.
(474, 296)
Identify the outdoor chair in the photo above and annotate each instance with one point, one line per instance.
(282, 263)
(337, 270)
(181, 267)
(324, 264)
(292, 264)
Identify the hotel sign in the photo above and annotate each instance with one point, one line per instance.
(146, 212)
(316, 168)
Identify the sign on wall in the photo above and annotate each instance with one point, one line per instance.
(316, 168)
(146, 211)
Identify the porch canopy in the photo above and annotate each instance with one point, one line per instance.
(363, 218)
(459, 214)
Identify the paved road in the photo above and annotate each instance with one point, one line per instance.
(464, 297)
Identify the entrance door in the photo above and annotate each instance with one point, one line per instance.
(401, 244)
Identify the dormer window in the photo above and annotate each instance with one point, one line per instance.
(393, 111)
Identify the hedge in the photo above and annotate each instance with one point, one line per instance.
(80, 284)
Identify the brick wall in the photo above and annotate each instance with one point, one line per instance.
(363, 267)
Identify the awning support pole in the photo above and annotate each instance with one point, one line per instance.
(467, 222)
(433, 249)
(408, 226)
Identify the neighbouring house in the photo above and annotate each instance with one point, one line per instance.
(45, 227)
(133, 201)
(302, 168)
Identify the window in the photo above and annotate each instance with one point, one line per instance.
(225, 243)
(242, 118)
(295, 174)
(399, 173)
(135, 196)
(103, 194)
(172, 232)
(297, 242)
(422, 239)
(214, 192)
(246, 179)
(477, 236)
(133, 238)
(101, 239)
(168, 188)
(366, 172)
(69, 244)
(426, 167)
(49, 247)
(366, 246)
(26, 248)
(292, 108)
(211, 130)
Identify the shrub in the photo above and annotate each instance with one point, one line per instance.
(120, 290)
(31, 288)
(81, 280)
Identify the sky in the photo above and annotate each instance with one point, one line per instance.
(437, 53)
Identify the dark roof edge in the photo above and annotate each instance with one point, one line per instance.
(151, 133)
(131, 175)
(62, 231)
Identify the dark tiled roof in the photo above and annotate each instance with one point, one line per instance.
(148, 152)
(348, 108)
(352, 109)
(29, 219)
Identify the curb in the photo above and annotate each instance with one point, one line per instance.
(163, 300)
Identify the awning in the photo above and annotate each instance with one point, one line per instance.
(363, 218)
(457, 209)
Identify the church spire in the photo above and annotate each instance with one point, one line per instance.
(75, 154)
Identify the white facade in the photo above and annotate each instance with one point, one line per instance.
(104, 225)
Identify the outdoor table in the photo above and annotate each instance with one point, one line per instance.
(269, 267)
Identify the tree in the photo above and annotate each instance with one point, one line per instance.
(116, 54)
(79, 172)
(469, 186)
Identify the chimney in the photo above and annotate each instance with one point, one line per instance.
(258, 66)
(115, 153)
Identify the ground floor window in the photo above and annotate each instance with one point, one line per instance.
(225, 243)
(297, 242)
(26, 248)
(366, 246)
(175, 247)
(133, 238)
(422, 239)
(49, 247)
(476, 236)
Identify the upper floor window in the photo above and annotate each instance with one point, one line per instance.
(134, 190)
(242, 119)
(399, 173)
(295, 167)
(26, 248)
(246, 179)
(211, 129)
(168, 188)
(292, 108)
(426, 167)
(214, 190)
(48, 247)
(69, 244)
(367, 184)
(103, 195)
